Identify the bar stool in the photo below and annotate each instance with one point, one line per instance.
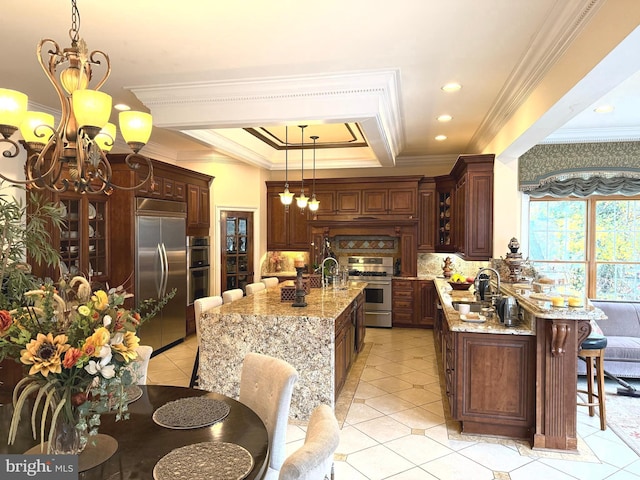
(592, 352)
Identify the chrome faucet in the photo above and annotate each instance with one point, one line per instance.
(476, 283)
(324, 275)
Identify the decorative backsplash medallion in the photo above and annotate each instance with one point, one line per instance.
(365, 245)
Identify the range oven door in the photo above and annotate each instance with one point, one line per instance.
(377, 296)
(197, 283)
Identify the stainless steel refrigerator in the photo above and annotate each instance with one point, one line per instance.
(161, 265)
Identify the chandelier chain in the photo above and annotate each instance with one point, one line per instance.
(74, 33)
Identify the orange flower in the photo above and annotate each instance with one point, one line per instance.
(5, 321)
(44, 354)
(71, 357)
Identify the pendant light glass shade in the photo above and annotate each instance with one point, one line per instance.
(91, 108)
(37, 127)
(13, 106)
(135, 128)
(286, 197)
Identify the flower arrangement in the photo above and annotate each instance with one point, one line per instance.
(80, 346)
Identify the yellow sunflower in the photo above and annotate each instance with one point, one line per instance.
(128, 346)
(45, 354)
(100, 300)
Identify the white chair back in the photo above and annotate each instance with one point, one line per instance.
(232, 295)
(314, 459)
(252, 288)
(270, 282)
(201, 305)
(266, 385)
(140, 366)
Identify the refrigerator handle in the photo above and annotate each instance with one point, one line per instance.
(166, 270)
(162, 270)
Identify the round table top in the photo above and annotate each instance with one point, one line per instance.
(142, 442)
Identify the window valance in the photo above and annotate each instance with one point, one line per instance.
(581, 169)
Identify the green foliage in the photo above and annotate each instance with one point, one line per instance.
(19, 237)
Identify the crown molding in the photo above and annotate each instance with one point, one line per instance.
(594, 135)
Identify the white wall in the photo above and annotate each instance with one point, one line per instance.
(236, 186)
(507, 205)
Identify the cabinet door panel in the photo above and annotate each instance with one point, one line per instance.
(374, 201)
(348, 202)
(276, 226)
(426, 221)
(402, 201)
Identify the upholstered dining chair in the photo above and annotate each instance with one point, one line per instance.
(314, 459)
(141, 365)
(200, 305)
(266, 385)
(252, 288)
(270, 282)
(232, 295)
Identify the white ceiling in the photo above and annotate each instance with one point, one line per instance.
(207, 69)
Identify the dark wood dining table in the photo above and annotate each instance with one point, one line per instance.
(142, 442)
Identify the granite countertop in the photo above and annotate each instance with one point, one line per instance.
(447, 296)
(321, 303)
(541, 309)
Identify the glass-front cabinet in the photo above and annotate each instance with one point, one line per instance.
(83, 240)
(237, 262)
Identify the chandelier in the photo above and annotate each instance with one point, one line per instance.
(72, 155)
(302, 200)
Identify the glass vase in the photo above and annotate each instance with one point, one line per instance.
(67, 438)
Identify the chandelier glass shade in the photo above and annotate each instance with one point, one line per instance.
(72, 154)
(286, 197)
(302, 200)
(314, 203)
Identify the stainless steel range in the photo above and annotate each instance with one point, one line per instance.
(377, 272)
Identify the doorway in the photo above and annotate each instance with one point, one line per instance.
(236, 252)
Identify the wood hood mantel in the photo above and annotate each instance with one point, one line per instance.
(364, 226)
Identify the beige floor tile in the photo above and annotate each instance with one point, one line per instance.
(378, 462)
(383, 429)
(359, 412)
(372, 373)
(457, 467)
(413, 474)
(419, 378)
(367, 390)
(389, 404)
(418, 449)
(390, 384)
(418, 396)
(353, 440)
(418, 417)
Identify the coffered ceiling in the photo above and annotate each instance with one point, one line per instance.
(222, 79)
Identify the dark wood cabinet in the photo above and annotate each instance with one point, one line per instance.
(495, 383)
(361, 329)
(427, 301)
(465, 208)
(197, 208)
(287, 227)
(345, 345)
(489, 380)
(403, 302)
(84, 239)
(427, 215)
(375, 202)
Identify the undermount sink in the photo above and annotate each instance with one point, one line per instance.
(474, 306)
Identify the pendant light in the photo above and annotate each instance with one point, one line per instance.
(286, 197)
(301, 201)
(314, 203)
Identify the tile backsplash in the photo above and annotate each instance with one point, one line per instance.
(432, 263)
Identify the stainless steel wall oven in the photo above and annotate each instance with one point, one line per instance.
(199, 267)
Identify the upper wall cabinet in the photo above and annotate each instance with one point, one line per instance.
(427, 224)
(471, 221)
(171, 182)
(286, 226)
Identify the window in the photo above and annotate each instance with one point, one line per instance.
(592, 245)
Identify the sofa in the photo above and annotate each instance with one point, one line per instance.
(622, 329)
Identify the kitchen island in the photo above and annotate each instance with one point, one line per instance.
(516, 381)
(319, 340)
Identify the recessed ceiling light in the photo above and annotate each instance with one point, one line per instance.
(441, 138)
(604, 109)
(122, 107)
(445, 118)
(451, 87)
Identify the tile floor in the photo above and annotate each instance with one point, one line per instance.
(393, 424)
